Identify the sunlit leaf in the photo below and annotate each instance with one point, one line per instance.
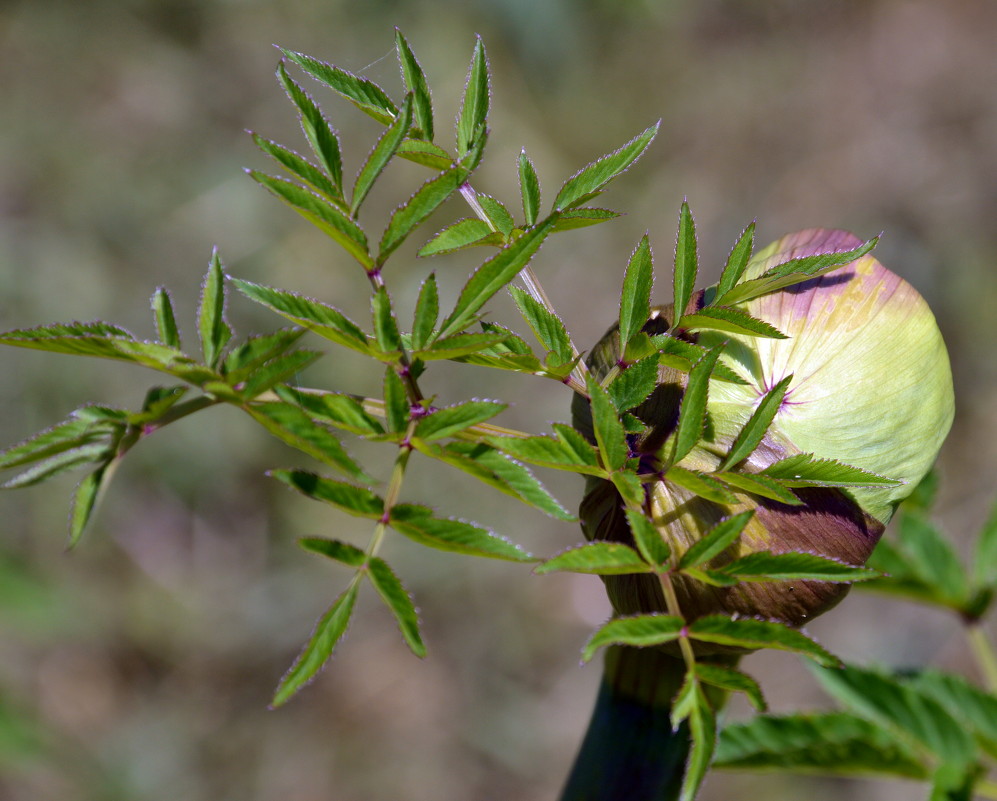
(461, 234)
(573, 219)
(716, 541)
(340, 411)
(732, 680)
(736, 262)
(640, 631)
(85, 501)
(754, 430)
(334, 549)
(647, 537)
(427, 310)
(546, 325)
(761, 485)
(357, 501)
(418, 524)
(686, 263)
(600, 558)
(529, 188)
(79, 456)
(703, 728)
(363, 93)
(699, 483)
(415, 82)
(748, 633)
(382, 153)
(166, 323)
(394, 595)
(731, 320)
(692, 411)
(563, 452)
(320, 136)
(214, 331)
(450, 420)
(474, 107)
(767, 566)
(276, 371)
(635, 300)
(385, 325)
(301, 168)
(608, 429)
(396, 404)
(806, 470)
(631, 386)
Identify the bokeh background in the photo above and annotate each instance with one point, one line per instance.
(140, 665)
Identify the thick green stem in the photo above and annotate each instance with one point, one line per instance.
(984, 653)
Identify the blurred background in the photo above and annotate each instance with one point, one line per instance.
(140, 665)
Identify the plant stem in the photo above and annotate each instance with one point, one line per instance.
(984, 653)
(394, 489)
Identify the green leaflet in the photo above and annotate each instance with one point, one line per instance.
(640, 631)
(460, 345)
(276, 371)
(759, 485)
(693, 705)
(415, 83)
(425, 153)
(166, 322)
(719, 538)
(730, 319)
(341, 411)
(701, 484)
(608, 429)
(334, 549)
(498, 215)
(737, 261)
(836, 743)
(357, 501)
(635, 300)
(751, 435)
(733, 681)
(328, 632)
(385, 326)
(806, 470)
(682, 355)
(529, 188)
(474, 107)
(562, 453)
(396, 403)
(631, 386)
(600, 558)
(364, 94)
(450, 420)
(767, 566)
(686, 264)
(583, 217)
(418, 524)
(397, 599)
(302, 169)
(85, 499)
(78, 430)
(320, 136)
(692, 411)
(247, 357)
(753, 634)
(985, 554)
(462, 234)
(427, 311)
(547, 326)
(593, 178)
(382, 153)
(934, 561)
(650, 543)
(66, 459)
(967, 703)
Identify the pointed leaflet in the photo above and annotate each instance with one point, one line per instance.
(334, 549)
(320, 213)
(635, 301)
(692, 412)
(640, 631)
(382, 153)
(682, 355)
(491, 276)
(748, 633)
(247, 357)
(648, 539)
(474, 108)
(341, 411)
(964, 701)
(934, 560)
(415, 82)
(450, 420)
(767, 566)
(85, 501)
(93, 453)
(427, 310)
(908, 714)
(364, 94)
(290, 424)
(595, 176)
(985, 557)
(317, 131)
(632, 386)
(751, 435)
(806, 470)
(357, 501)
(703, 727)
(561, 453)
(529, 188)
(418, 524)
(425, 153)
(835, 743)
(396, 405)
(686, 264)
(607, 426)
(276, 371)
(629, 485)
(302, 169)
(328, 632)
(546, 325)
(385, 325)
(758, 484)
(317, 317)
(460, 345)
(211, 325)
(719, 538)
(497, 214)
(462, 234)
(407, 217)
(393, 593)
(166, 323)
(76, 431)
(736, 262)
(702, 485)
(732, 680)
(600, 558)
(583, 217)
(795, 271)
(731, 320)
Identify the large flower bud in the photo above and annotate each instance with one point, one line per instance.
(871, 388)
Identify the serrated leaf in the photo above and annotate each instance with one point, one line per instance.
(908, 714)
(608, 429)
(322, 214)
(640, 631)
(736, 262)
(934, 560)
(357, 501)
(835, 743)
(393, 593)
(686, 264)
(760, 485)
(385, 325)
(546, 325)
(85, 501)
(341, 411)
(682, 355)
(497, 214)
(427, 310)
(166, 323)
(321, 137)
(462, 234)
(459, 346)
(316, 653)
(562, 453)
(411, 214)
(753, 634)
(156, 402)
(418, 524)
(289, 423)
(425, 153)
(474, 106)
(396, 404)
(382, 153)
(301, 168)
(598, 174)
(635, 300)
(631, 386)
(985, 553)
(629, 485)
(95, 452)
(491, 276)
(795, 271)
(964, 701)
(211, 326)
(450, 420)
(701, 484)
(767, 566)
(751, 435)
(599, 558)
(529, 188)
(573, 219)
(334, 549)
(731, 320)
(692, 411)
(647, 537)
(317, 317)
(415, 82)
(716, 541)
(363, 93)
(806, 470)
(256, 351)
(732, 680)
(76, 431)
(276, 371)
(703, 728)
